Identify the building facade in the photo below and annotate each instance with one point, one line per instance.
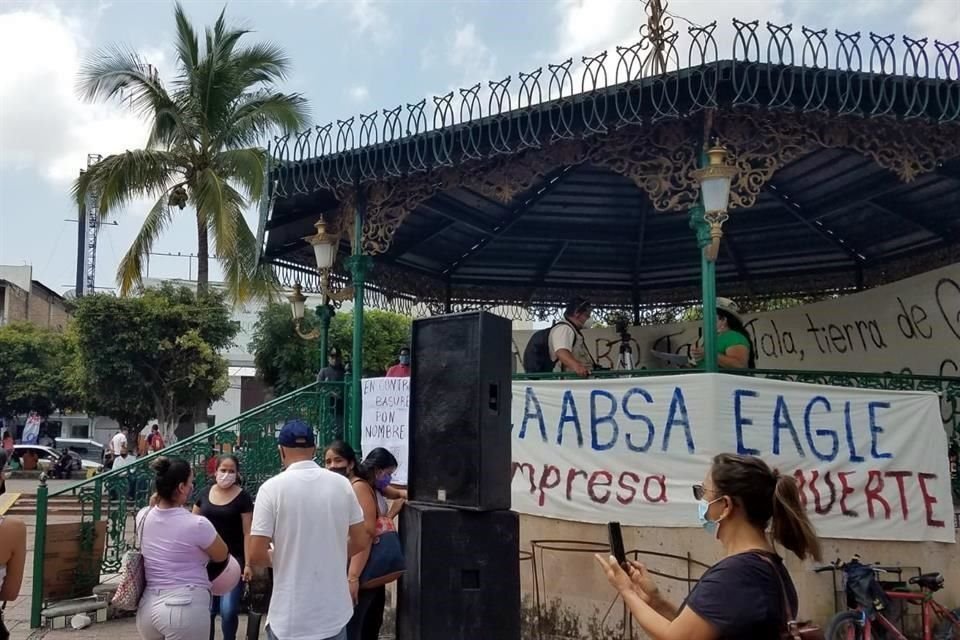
(23, 299)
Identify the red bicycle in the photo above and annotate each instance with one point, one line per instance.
(869, 602)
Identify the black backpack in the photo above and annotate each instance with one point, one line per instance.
(536, 355)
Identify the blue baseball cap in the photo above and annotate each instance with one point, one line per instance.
(297, 434)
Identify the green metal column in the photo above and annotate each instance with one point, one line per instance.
(708, 282)
(708, 276)
(358, 264)
(39, 551)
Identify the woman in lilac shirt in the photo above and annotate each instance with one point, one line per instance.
(177, 546)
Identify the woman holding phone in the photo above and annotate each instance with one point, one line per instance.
(747, 594)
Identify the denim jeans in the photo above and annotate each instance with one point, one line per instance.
(228, 606)
(340, 636)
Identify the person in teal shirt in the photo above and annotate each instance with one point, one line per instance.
(734, 348)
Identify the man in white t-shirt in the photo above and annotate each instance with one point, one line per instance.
(315, 523)
(566, 342)
(119, 441)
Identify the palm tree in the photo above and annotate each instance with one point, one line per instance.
(201, 150)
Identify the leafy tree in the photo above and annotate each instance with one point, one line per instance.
(286, 362)
(384, 333)
(201, 148)
(153, 356)
(34, 365)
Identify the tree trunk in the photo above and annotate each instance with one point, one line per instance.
(203, 257)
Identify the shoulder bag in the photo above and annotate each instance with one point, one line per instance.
(793, 628)
(385, 563)
(133, 579)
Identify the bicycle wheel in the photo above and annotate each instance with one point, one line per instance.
(947, 629)
(845, 626)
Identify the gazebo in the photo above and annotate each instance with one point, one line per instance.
(841, 151)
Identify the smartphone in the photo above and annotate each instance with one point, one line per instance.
(616, 543)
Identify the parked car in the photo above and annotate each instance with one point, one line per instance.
(48, 456)
(89, 450)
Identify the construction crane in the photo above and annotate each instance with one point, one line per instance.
(88, 225)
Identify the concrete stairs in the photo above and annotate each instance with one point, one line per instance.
(26, 505)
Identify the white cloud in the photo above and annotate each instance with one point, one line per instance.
(587, 27)
(371, 20)
(471, 55)
(358, 93)
(44, 125)
(936, 19)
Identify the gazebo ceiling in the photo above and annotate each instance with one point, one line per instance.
(591, 192)
(825, 219)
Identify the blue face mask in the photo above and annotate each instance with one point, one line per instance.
(404, 359)
(384, 481)
(710, 526)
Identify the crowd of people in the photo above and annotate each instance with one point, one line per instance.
(306, 522)
(314, 530)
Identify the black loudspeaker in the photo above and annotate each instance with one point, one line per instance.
(460, 411)
(463, 574)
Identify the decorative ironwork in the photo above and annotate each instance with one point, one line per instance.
(772, 67)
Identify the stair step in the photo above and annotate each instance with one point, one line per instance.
(57, 616)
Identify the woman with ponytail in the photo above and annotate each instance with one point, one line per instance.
(749, 593)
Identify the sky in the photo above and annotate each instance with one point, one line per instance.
(348, 57)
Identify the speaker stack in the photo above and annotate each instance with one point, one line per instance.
(461, 542)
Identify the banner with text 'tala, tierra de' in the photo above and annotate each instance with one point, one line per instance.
(870, 464)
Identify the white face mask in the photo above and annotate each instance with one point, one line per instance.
(226, 479)
(588, 323)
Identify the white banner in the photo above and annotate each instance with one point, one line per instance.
(386, 409)
(870, 464)
(913, 325)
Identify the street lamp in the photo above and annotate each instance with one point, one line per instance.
(714, 182)
(297, 308)
(325, 246)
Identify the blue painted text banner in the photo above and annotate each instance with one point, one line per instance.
(870, 464)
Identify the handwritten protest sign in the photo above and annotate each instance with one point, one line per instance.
(386, 407)
(870, 464)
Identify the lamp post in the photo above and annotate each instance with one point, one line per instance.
(325, 313)
(326, 245)
(706, 219)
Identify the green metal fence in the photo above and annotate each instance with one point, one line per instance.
(115, 496)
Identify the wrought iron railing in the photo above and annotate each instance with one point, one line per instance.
(769, 66)
(114, 497)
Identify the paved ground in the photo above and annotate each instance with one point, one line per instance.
(114, 630)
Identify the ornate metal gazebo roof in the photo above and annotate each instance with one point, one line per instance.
(579, 178)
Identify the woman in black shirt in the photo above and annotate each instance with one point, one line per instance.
(229, 507)
(743, 595)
